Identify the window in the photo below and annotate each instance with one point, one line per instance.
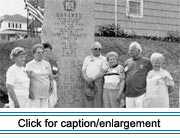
(3, 37)
(9, 25)
(20, 26)
(12, 25)
(134, 8)
(16, 25)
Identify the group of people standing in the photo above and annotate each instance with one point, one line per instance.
(138, 83)
(32, 86)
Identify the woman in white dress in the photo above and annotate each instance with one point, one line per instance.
(17, 81)
(159, 84)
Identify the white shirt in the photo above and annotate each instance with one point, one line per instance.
(39, 78)
(113, 77)
(17, 77)
(94, 65)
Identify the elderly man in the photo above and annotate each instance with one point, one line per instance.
(136, 69)
(93, 70)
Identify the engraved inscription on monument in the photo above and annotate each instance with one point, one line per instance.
(69, 27)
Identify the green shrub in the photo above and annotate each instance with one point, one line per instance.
(112, 30)
(172, 36)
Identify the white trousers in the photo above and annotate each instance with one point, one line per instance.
(135, 102)
(53, 97)
(39, 103)
(23, 101)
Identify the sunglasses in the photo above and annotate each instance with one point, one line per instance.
(39, 52)
(97, 49)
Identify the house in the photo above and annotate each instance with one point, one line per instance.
(12, 27)
(142, 17)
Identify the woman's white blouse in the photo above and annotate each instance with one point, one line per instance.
(17, 77)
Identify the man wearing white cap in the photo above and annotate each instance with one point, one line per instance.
(93, 70)
(136, 69)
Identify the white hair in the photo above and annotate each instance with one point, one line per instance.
(16, 52)
(112, 53)
(156, 56)
(136, 45)
(96, 45)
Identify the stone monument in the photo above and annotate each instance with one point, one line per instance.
(69, 27)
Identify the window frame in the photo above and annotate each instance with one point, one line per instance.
(9, 25)
(133, 15)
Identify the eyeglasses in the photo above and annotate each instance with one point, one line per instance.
(39, 52)
(97, 49)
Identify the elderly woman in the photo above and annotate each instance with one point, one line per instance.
(159, 84)
(40, 78)
(114, 82)
(17, 81)
(55, 73)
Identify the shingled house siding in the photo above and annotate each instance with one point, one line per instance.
(159, 16)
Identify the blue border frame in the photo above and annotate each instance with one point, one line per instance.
(94, 112)
(89, 131)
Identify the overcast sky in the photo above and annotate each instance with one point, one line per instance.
(11, 7)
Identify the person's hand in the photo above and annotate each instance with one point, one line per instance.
(91, 85)
(90, 80)
(51, 87)
(30, 73)
(31, 95)
(51, 76)
(16, 104)
(122, 103)
(119, 98)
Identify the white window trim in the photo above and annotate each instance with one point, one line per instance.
(132, 15)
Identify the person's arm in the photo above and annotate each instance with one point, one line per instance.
(12, 94)
(10, 83)
(30, 74)
(170, 89)
(50, 78)
(55, 76)
(169, 82)
(150, 66)
(104, 69)
(84, 75)
(121, 90)
(100, 75)
(31, 94)
(122, 84)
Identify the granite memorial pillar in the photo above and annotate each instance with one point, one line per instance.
(69, 27)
